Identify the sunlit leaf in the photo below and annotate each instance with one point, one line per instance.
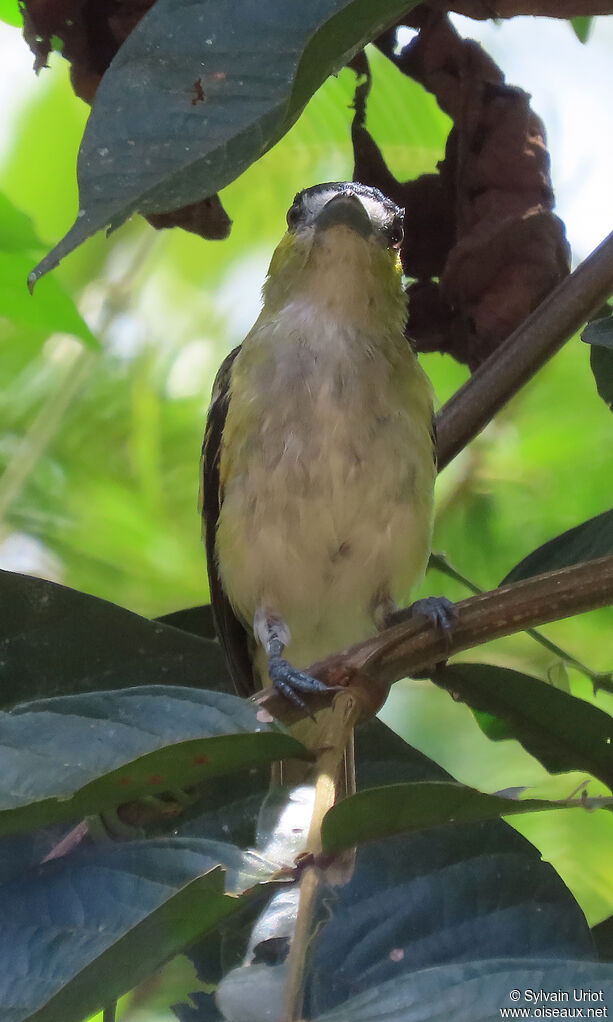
(17, 233)
(582, 27)
(10, 12)
(53, 309)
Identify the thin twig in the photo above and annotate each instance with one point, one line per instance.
(516, 361)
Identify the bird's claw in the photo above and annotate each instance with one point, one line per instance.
(289, 681)
(439, 610)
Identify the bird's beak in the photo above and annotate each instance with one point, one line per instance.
(345, 209)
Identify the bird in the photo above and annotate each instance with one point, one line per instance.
(317, 477)
(318, 461)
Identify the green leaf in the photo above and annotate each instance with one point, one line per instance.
(195, 620)
(17, 232)
(57, 641)
(82, 930)
(601, 364)
(603, 938)
(193, 97)
(446, 896)
(599, 333)
(496, 730)
(396, 808)
(117, 746)
(478, 991)
(584, 542)
(10, 13)
(51, 310)
(582, 26)
(563, 732)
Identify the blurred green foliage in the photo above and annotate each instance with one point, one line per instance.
(100, 451)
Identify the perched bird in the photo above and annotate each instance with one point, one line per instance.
(318, 458)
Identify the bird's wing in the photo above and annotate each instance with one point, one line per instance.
(231, 633)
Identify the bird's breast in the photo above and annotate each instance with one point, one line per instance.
(327, 475)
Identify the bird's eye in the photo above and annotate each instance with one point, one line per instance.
(293, 215)
(397, 232)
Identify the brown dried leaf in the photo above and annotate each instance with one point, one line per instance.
(206, 218)
(484, 224)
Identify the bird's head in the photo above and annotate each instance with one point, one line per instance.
(342, 241)
(355, 207)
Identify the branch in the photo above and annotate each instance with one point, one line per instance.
(440, 563)
(539, 337)
(372, 666)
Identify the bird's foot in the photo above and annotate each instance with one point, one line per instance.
(289, 681)
(439, 610)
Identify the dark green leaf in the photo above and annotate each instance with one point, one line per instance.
(194, 97)
(195, 620)
(478, 991)
(601, 364)
(451, 895)
(563, 732)
(584, 542)
(79, 755)
(397, 808)
(599, 333)
(84, 929)
(21, 852)
(603, 938)
(582, 26)
(56, 641)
